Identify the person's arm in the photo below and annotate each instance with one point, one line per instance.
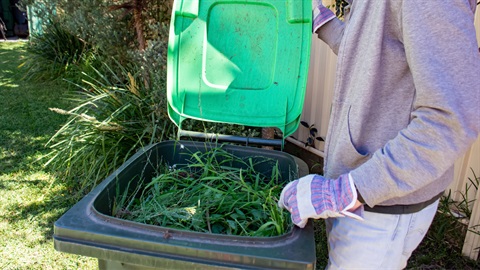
(442, 53)
(328, 27)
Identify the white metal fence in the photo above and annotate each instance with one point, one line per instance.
(317, 111)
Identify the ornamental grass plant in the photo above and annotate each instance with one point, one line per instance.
(116, 113)
(57, 53)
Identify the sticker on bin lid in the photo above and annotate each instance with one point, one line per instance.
(239, 62)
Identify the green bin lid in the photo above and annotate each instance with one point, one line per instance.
(239, 61)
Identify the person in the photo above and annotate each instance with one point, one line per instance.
(406, 105)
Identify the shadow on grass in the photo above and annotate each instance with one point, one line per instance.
(13, 184)
(11, 56)
(43, 212)
(26, 124)
(20, 151)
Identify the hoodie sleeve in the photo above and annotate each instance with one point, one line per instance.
(332, 33)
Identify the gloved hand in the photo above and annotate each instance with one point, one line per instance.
(321, 14)
(313, 196)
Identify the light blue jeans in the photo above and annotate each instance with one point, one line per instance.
(381, 241)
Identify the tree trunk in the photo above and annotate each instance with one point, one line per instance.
(138, 22)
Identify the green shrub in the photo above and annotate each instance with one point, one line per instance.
(117, 113)
(121, 105)
(55, 53)
(108, 25)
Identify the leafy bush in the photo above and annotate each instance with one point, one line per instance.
(108, 25)
(117, 113)
(121, 103)
(55, 53)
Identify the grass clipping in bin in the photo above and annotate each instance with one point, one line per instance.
(215, 192)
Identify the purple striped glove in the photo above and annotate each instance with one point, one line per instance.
(313, 196)
(321, 14)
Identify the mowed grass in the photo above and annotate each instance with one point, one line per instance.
(31, 197)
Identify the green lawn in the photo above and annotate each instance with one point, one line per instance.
(31, 198)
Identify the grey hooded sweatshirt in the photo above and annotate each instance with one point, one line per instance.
(407, 96)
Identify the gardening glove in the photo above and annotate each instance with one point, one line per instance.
(321, 14)
(313, 196)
